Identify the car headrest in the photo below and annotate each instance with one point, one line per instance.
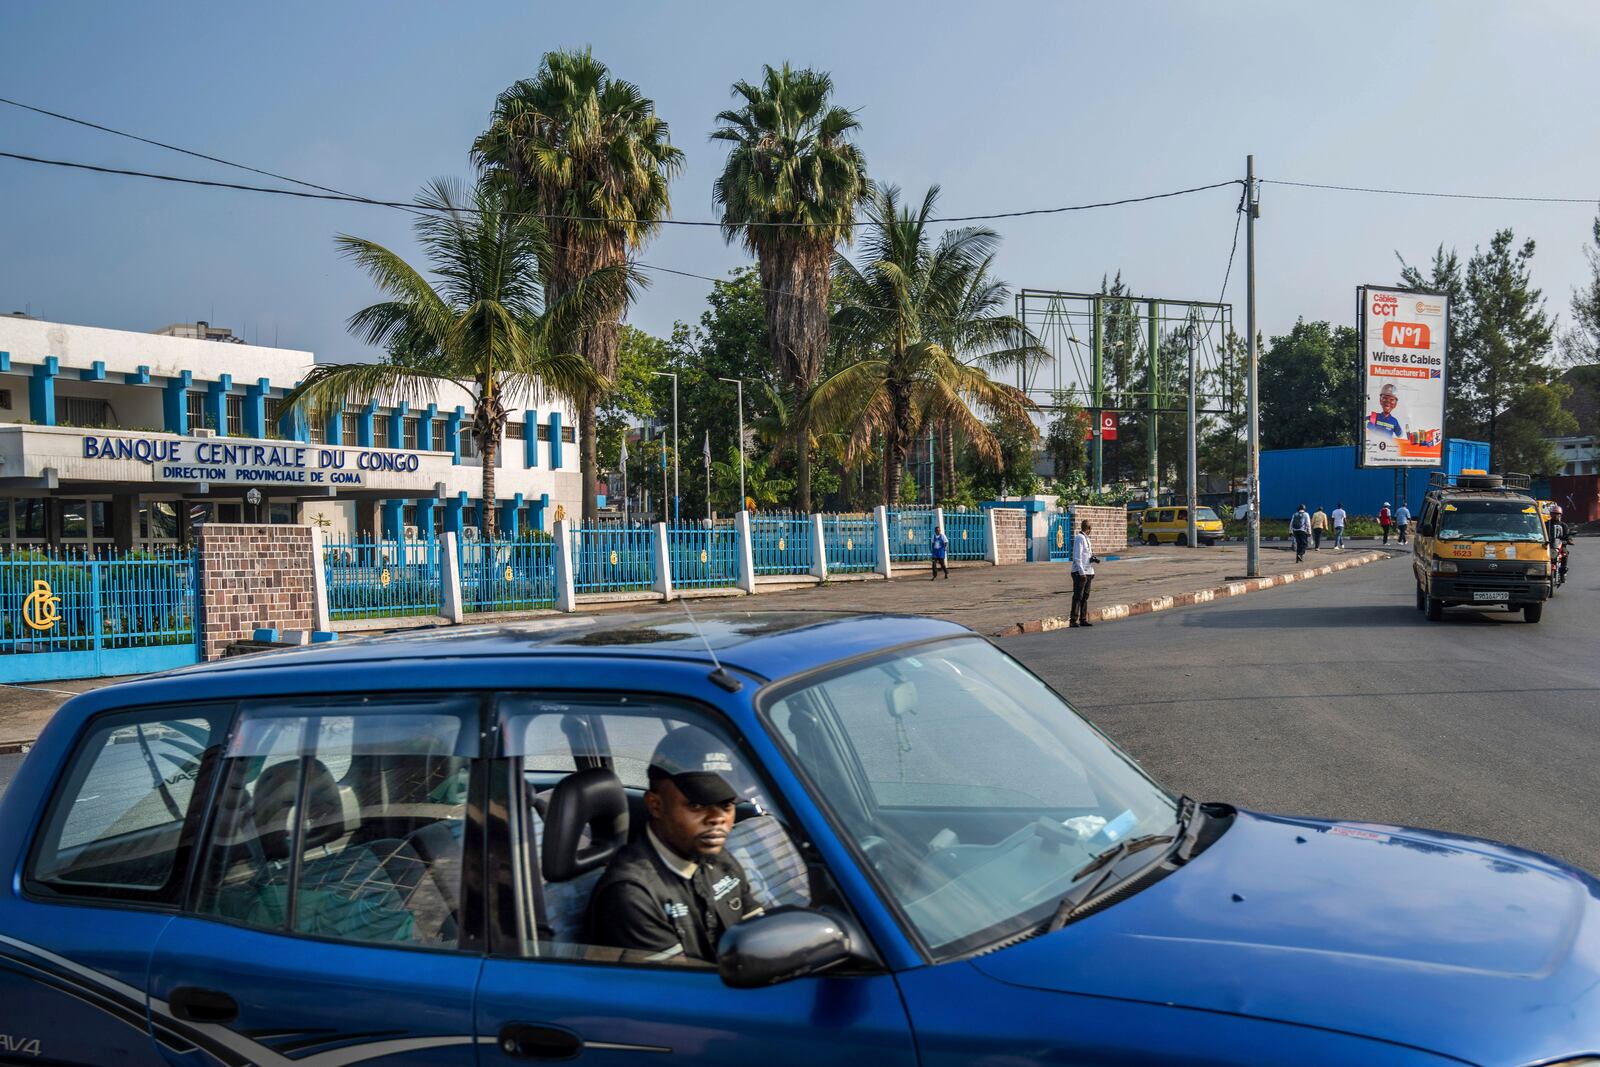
(274, 805)
(592, 800)
(902, 699)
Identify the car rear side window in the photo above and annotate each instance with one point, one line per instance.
(124, 816)
(344, 819)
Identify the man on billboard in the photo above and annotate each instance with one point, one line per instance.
(1388, 400)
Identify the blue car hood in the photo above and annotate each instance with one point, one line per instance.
(1451, 944)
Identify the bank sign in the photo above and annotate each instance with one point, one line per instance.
(1403, 376)
(253, 463)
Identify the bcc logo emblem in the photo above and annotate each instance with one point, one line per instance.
(39, 609)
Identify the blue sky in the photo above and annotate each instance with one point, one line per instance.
(1005, 105)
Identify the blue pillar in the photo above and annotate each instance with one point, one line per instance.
(42, 391)
(425, 423)
(530, 439)
(364, 425)
(452, 433)
(452, 512)
(5, 362)
(138, 377)
(95, 373)
(333, 433)
(175, 403)
(255, 409)
(539, 507)
(217, 403)
(397, 425)
(425, 521)
(393, 518)
(508, 516)
(555, 440)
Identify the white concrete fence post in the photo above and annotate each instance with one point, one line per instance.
(938, 524)
(991, 538)
(321, 613)
(819, 549)
(747, 559)
(451, 606)
(663, 562)
(880, 515)
(566, 593)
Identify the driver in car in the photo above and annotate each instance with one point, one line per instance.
(673, 892)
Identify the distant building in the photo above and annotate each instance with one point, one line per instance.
(1580, 453)
(115, 438)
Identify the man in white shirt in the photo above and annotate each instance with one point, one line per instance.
(1338, 518)
(1083, 560)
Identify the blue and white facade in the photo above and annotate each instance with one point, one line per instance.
(111, 438)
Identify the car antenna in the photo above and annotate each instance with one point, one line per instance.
(720, 676)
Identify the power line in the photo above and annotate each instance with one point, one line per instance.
(1434, 194)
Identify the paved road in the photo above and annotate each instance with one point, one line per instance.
(8, 769)
(1337, 698)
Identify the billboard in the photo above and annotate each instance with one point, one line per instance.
(1403, 373)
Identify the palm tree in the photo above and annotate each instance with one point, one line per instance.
(906, 316)
(588, 152)
(483, 328)
(790, 190)
(765, 487)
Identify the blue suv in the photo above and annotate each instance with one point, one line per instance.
(386, 852)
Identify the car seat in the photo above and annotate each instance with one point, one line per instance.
(773, 865)
(584, 825)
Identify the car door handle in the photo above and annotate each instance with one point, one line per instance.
(195, 1005)
(538, 1042)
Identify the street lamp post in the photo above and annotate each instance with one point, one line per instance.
(740, 383)
(674, 376)
(254, 497)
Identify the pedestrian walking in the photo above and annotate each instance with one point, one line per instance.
(1300, 529)
(1402, 519)
(1338, 527)
(1083, 561)
(1319, 526)
(1384, 520)
(936, 548)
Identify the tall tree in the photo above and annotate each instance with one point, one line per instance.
(901, 313)
(789, 191)
(1308, 389)
(483, 328)
(1446, 275)
(1582, 341)
(589, 151)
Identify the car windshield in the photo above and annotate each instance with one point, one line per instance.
(1490, 520)
(972, 790)
(1205, 515)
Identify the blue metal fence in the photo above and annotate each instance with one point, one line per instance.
(909, 530)
(377, 578)
(852, 543)
(1061, 536)
(703, 556)
(68, 615)
(968, 534)
(781, 543)
(509, 575)
(613, 558)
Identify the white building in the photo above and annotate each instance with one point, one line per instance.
(115, 438)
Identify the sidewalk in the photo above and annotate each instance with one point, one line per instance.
(997, 601)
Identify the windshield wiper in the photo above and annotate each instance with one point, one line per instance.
(1106, 864)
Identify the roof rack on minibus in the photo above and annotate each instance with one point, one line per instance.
(1478, 479)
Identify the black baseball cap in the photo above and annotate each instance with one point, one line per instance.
(694, 761)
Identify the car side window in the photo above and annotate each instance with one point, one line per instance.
(582, 763)
(344, 819)
(124, 815)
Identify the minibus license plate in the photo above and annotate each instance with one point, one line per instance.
(1491, 596)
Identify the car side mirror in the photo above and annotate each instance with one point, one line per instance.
(783, 944)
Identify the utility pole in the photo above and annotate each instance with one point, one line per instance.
(1192, 487)
(674, 376)
(1253, 450)
(740, 383)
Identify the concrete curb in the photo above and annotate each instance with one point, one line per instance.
(1199, 596)
(11, 748)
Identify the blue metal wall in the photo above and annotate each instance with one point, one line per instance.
(1329, 476)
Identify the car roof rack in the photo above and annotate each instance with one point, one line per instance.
(1478, 479)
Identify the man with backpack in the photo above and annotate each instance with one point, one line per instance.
(1300, 527)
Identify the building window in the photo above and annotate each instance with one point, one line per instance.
(197, 412)
(317, 431)
(351, 424)
(569, 434)
(514, 431)
(82, 411)
(272, 412)
(235, 409)
(544, 432)
(29, 514)
(408, 431)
